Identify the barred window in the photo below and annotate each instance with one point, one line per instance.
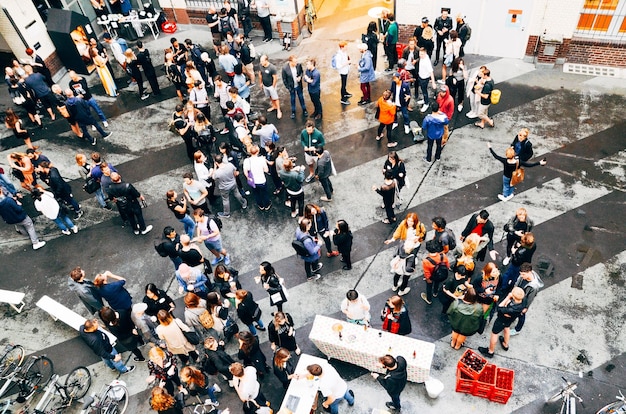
(603, 20)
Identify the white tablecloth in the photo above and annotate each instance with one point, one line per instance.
(363, 347)
(303, 388)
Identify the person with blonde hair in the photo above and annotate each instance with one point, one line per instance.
(515, 228)
(511, 163)
(132, 64)
(162, 368)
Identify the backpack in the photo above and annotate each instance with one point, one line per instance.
(217, 221)
(161, 250)
(333, 61)
(451, 238)
(440, 272)
(123, 44)
(225, 25)
(206, 319)
(196, 55)
(468, 32)
(300, 248)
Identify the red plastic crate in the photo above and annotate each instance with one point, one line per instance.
(484, 385)
(504, 386)
(469, 370)
(464, 383)
(399, 49)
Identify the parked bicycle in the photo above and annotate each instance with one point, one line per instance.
(617, 407)
(28, 377)
(310, 15)
(76, 385)
(201, 407)
(568, 397)
(12, 357)
(113, 399)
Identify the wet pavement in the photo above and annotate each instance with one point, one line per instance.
(577, 202)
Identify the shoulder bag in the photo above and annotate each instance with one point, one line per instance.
(518, 175)
(191, 336)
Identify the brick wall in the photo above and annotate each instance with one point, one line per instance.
(597, 53)
(405, 32)
(53, 63)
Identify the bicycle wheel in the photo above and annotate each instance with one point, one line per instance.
(115, 400)
(78, 382)
(309, 23)
(12, 358)
(37, 375)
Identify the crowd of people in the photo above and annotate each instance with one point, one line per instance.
(247, 145)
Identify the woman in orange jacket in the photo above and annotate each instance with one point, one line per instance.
(386, 114)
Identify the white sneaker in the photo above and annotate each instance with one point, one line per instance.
(394, 288)
(66, 232)
(93, 127)
(216, 388)
(39, 245)
(231, 384)
(147, 230)
(513, 332)
(424, 108)
(420, 102)
(460, 107)
(440, 81)
(501, 197)
(404, 292)
(105, 123)
(407, 129)
(507, 198)
(394, 126)
(75, 229)
(506, 261)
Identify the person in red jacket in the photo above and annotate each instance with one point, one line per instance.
(446, 105)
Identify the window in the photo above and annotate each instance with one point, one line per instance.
(602, 19)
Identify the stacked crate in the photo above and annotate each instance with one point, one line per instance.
(475, 376)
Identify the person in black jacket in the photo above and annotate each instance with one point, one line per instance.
(127, 199)
(343, 240)
(248, 311)
(522, 146)
(479, 223)
(123, 328)
(59, 187)
(80, 110)
(250, 353)
(143, 58)
(443, 25)
(99, 343)
(394, 380)
(157, 299)
(216, 359)
(132, 66)
(292, 79)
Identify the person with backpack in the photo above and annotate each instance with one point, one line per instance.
(209, 232)
(127, 199)
(403, 265)
(226, 23)
(435, 266)
(464, 31)
(308, 250)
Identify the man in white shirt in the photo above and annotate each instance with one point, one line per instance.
(246, 384)
(356, 308)
(332, 386)
(342, 63)
(425, 73)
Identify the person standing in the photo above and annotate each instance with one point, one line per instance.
(292, 79)
(522, 145)
(179, 208)
(446, 105)
(509, 309)
(311, 260)
(282, 333)
(371, 40)
(292, 178)
(434, 127)
(388, 192)
(395, 316)
(465, 315)
(356, 307)
(123, 328)
(81, 112)
(60, 188)
(515, 228)
(85, 290)
(485, 100)
(443, 25)
(313, 78)
(132, 65)
(323, 171)
(332, 386)
(225, 176)
(530, 282)
(464, 32)
(342, 238)
(435, 259)
(263, 12)
(127, 199)
(269, 79)
(522, 252)
(401, 96)
(424, 34)
(510, 163)
(111, 288)
(310, 138)
(195, 192)
(99, 343)
(425, 73)
(37, 83)
(104, 72)
(245, 382)
(243, 10)
(480, 224)
(394, 380)
(255, 168)
(46, 204)
(79, 86)
(143, 58)
(171, 330)
(386, 117)
(366, 73)
(474, 86)
(342, 64)
(391, 39)
(13, 213)
(39, 65)
(209, 233)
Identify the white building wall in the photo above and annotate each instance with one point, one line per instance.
(24, 14)
(555, 17)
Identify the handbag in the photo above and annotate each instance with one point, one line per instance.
(19, 99)
(257, 314)
(191, 336)
(91, 185)
(278, 297)
(250, 180)
(517, 176)
(230, 329)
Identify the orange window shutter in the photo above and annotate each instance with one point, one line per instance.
(602, 23)
(622, 28)
(586, 21)
(609, 4)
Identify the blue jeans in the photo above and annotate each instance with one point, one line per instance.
(6, 183)
(507, 189)
(252, 328)
(423, 83)
(118, 365)
(405, 114)
(292, 95)
(92, 102)
(100, 197)
(334, 407)
(63, 222)
(190, 225)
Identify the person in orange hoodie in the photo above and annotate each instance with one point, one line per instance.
(386, 114)
(446, 105)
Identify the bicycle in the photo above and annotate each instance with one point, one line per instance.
(113, 399)
(76, 385)
(200, 407)
(617, 407)
(28, 377)
(569, 397)
(12, 357)
(310, 15)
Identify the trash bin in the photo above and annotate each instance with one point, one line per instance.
(434, 387)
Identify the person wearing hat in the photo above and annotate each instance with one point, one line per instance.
(424, 34)
(39, 65)
(366, 73)
(401, 96)
(443, 25)
(446, 105)
(508, 310)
